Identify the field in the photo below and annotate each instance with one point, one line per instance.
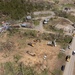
(14, 49)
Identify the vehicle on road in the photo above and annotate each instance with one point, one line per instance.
(68, 58)
(62, 67)
(73, 52)
(73, 35)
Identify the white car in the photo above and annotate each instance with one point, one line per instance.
(45, 22)
(73, 53)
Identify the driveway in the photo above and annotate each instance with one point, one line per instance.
(70, 65)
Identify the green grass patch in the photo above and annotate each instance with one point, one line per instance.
(71, 17)
(52, 28)
(57, 72)
(61, 55)
(42, 15)
(30, 33)
(17, 57)
(19, 69)
(68, 5)
(36, 22)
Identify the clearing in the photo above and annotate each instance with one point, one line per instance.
(14, 49)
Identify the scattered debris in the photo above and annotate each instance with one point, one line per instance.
(28, 17)
(62, 50)
(31, 44)
(30, 53)
(45, 56)
(37, 40)
(52, 43)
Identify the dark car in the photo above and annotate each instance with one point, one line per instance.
(62, 67)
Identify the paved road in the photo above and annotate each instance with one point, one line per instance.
(70, 65)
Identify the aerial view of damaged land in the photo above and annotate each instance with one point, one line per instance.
(37, 37)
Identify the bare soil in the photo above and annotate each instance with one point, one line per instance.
(40, 49)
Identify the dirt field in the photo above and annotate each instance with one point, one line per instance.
(40, 49)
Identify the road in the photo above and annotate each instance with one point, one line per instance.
(70, 65)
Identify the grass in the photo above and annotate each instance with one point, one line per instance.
(8, 66)
(17, 58)
(64, 40)
(71, 18)
(12, 31)
(45, 72)
(57, 72)
(36, 22)
(19, 69)
(30, 33)
(52, 28)
(68, 5)
(61, 55)
(42, 15)
(60, 13)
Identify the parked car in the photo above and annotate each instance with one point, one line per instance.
(46, 21)
(73, 53)
(62, 67)
(68, 58)
(73, 35)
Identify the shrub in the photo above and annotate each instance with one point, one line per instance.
(30, 33)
